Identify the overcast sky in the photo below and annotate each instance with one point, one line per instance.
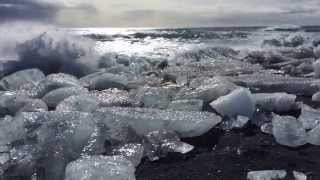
(162, 13)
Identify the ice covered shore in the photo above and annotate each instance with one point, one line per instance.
(65, 118)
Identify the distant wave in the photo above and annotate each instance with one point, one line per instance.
(291, 28)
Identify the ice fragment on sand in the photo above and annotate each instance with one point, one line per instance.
(143, 120)
(53, 98)
(288, 131)
(237, 122)
(314, 136)
(309, 117)
(238, 102)
(275, 102)
(133, 152)
(316, 67)
(187, 105)
(299, 175)
(84, 103)
(20, 78)
(100, 168)
(267, 175)
(316, 97)
(159, 143)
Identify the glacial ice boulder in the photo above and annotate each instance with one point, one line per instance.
(11, 103)
(11, 129)
(187, 105)
(269, 83)
(238, 102)
(154, 97)
(299, 175)
(53, 98)
(16, 80)
(112, 97)
(109, 81)
(275, 102)
(288, 131)
(309, 117)
(267, 175)
(207, 90)
(82, 103)
(143, 121)
(316, 67)
(100, 168)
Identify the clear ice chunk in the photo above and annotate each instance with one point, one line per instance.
(299, 176)
(53, 98)
(314, 136)
(288, 131)
(267, 175)
(187, 105)
(275, 102)
(133, 152)
(238, 102)
(16, 80)
(143, 120)
(316, 97)
(84, 103)
(207, 90)
(159, 143)
(309, 117)
(100, 168)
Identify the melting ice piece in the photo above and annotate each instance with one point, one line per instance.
(159, 143)
(112, 97)
(314, 136)
(108, 81)
(84, 103)
(275, 102)
(267, 82)
(100, 168)
(267, 175)
(238, 122)
(309, 117)
(143, 120)
(53, 98)
(133, 152)
(299, 175)
(12, 103)
(288, 131)
(187, 105)
(238, 102)
(154, 97)
(316, 97)
(16, 80)
(207, 90)
(316, 67)
(266, 128)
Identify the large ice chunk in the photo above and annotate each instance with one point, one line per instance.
(187, 105)
(316, 67)
(288, 131)
(154, 97)
(238, 102)
(53, 98)
(107, 81)
(131, 151)
(267, 175)
(143, 121)
(299, 176)
(112, 97)
(267, 82)
(100, 168)
(11, 130)
(275, 102)
(84, 103)
(12, 103)
(207, 89)
(314, 136)
(309, 117)
(20, 78)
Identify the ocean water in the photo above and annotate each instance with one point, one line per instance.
(167, 43)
